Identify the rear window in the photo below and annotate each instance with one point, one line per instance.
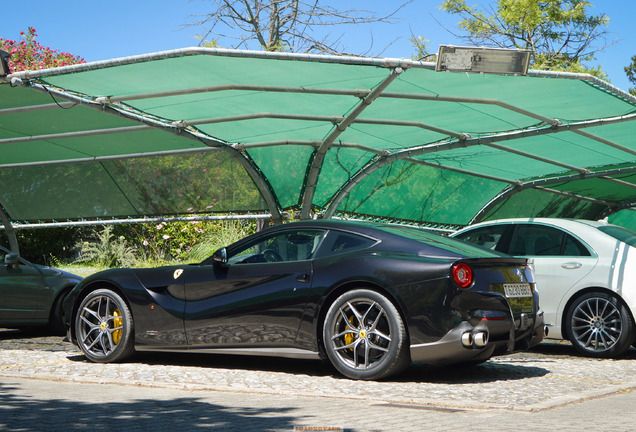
(338, 242)
(619, 233)
(450, 244)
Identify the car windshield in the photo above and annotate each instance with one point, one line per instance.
(619, 233)
(442, 242)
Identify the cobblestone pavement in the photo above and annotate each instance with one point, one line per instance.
(548, 380)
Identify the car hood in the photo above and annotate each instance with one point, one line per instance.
(50, 271)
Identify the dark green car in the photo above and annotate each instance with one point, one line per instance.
(31, 294)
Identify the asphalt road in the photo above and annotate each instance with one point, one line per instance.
(47, 385)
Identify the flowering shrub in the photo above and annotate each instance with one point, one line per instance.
(180, 241)
(107, 250)
(28, 54)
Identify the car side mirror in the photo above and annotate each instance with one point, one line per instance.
(220, 256)
(12, 259)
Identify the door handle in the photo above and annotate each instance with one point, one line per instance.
(571, 265)
(303, 278)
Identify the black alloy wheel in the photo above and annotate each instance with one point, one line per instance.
(104, 327)
(364, 336)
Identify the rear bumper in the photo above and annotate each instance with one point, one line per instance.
(463, 344)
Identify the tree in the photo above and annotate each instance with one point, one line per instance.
(631, 74)
(282, 25)
(421, 47)
(28, 54)
(559, 33)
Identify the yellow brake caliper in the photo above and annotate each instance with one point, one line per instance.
(350, 337)
(117, 322)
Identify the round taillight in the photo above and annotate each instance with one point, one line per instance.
(462, 275)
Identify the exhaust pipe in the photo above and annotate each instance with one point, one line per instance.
(477, 339)
(467, 339)
(480, 339)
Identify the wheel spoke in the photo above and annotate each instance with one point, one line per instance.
(356, 314)
(376, 347)
(91, 312)
(346, 332)
(380, 335)
(86, 338)
(345, 318)
(87, 321)
(364, 318)
(367, 348)
(586, 316)
(381, 314)
(103, 343)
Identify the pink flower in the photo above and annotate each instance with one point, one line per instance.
(166, 236)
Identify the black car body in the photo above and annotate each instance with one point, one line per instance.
(369, 297)
(31, 294)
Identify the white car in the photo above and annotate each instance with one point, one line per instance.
(585, 273)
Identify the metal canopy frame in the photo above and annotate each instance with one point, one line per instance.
(339, 123)
(213, 144)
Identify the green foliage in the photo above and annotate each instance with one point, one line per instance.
(108, 250)
(156, 243)
(559, 63)
(421, 49)
(222, 234)
(630, 71)
(163, 241)
(127, 245)
(559, 33)
(45, 246)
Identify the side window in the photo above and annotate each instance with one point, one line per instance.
(286, 246)
(573, 247)
(536, 240)
(488, 237)
(340, 242)
(539, 240)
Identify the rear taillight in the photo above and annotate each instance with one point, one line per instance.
(462, 275)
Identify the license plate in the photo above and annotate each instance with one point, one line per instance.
(517, 290)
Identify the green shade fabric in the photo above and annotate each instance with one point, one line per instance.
(206, 130)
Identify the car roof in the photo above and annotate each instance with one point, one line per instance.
(422, 238)
(373, 229)
(560, 222)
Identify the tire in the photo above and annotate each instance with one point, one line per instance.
(599, 325)
(364, 336)
(56, 325)
(104, 327)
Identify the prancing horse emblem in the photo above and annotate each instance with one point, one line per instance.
(177, 273)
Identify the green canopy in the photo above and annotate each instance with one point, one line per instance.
(205, 130)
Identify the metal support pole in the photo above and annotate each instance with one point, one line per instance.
(319, 157)
(9, 230)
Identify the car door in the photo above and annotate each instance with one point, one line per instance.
(560, 262)
(257, 298)
(21, 290)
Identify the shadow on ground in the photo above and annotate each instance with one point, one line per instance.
(512, 367)
(182, 413)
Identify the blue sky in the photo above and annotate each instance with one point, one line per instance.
(118, 28)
